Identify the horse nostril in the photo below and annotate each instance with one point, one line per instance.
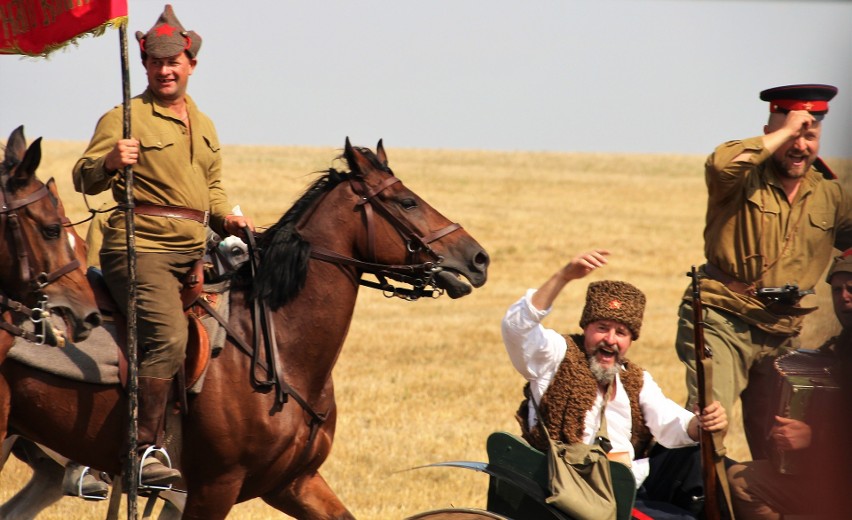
(93, 320)
(481, 260)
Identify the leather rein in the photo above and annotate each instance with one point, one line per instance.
(38, 315)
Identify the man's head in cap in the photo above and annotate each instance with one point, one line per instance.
(611, 321)
(798, 110)
(169, 54)
(840, 279)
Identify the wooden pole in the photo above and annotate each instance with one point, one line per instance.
(131, 470)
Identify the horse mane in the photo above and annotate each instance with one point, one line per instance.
(282, 252)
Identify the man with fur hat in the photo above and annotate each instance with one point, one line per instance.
(774, 216)
(820, 488)
(177, 167)
(569, 376)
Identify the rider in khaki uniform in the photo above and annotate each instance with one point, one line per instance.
(177, 167)
(774, 215)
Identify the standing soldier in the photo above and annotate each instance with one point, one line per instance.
(774, 215)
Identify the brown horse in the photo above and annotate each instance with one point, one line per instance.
(247, 436)
(39, 269)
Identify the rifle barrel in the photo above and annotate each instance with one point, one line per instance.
(704, 383)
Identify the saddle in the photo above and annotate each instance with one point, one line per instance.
(198, 349)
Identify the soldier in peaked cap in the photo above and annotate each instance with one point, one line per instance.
(572, 377)
(176, 159)
(774, 216)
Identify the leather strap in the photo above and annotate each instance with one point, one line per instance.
(729, 281)
(156, 210)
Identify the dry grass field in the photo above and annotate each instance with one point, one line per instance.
(425, 382)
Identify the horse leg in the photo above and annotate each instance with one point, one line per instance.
(43, 489)
(212, 498)
(309, 498)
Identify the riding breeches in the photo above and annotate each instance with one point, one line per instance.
(161, 324)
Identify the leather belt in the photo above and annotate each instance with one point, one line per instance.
(728, 281)
(156, 210)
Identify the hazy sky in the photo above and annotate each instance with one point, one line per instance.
(644, 76)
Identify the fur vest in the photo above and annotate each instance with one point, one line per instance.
(572, 394)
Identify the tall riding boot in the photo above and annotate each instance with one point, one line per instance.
(153, 397)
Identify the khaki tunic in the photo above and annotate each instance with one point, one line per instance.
(755, 235)
(176, 167)
(173, 169)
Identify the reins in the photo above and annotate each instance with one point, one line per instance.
(264, 338)
(264, 352)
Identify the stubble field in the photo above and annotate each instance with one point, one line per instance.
(425, 382)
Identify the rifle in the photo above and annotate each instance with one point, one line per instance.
(711, 444)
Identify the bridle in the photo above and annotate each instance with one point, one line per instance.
(9, 218)
(421, 276)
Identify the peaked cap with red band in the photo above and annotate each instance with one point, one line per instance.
(813, 98)
(168, 37)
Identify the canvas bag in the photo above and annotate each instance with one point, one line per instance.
(579, 474)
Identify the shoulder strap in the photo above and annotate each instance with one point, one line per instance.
(601, 437)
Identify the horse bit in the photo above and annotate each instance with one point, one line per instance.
(39, 314)
(420, 276)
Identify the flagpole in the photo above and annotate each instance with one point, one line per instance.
(132, 468)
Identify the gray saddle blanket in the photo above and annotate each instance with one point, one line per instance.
(95, 360)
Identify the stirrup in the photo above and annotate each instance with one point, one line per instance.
(149, 452)
(80, 494)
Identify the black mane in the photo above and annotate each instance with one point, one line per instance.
(283, 253)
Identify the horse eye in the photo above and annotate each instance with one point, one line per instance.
(408, 203)
(52, 232)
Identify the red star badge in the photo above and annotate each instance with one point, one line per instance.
(165, 30)
(615, 304)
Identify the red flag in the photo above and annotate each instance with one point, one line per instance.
(38, 27)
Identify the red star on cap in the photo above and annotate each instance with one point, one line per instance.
(165, 30)
(615, 304)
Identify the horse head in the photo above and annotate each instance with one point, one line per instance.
(367, 221)
(38, 261)
(410, 230)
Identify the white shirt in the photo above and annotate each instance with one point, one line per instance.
(536, 352)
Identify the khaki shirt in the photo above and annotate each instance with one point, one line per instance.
(175, 168)
(755, 235)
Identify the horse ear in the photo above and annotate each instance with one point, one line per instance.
(16, 146)
(349, 153)
(358, 164)
(380, 153)
(31, 160)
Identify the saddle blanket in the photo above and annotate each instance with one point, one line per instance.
(95, 360)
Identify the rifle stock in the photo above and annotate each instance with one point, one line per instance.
(704, 381)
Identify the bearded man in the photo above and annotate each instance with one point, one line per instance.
(569, 376)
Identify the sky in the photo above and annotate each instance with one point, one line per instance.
(610, 76)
